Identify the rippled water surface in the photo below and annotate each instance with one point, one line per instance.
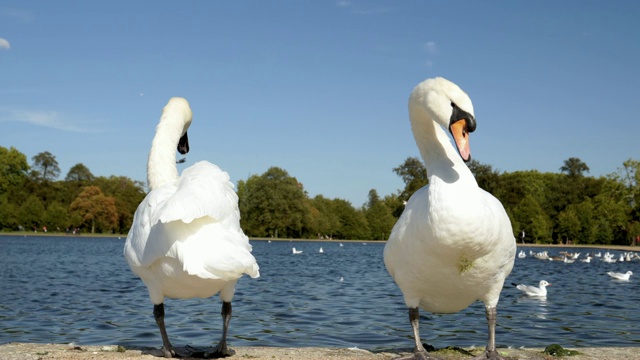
(66, 289)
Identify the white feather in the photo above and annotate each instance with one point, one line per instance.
(186, 239)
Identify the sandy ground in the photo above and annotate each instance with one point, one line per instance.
(24, 351)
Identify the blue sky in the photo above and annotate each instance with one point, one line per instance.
(318, 88)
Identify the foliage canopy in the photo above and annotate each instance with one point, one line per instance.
(549, 207)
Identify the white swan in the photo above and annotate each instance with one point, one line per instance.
(530, 290)
(454, 243)
(186, 241)
(620, 276)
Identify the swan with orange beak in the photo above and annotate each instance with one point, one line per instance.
(453, 244)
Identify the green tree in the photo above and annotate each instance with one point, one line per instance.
(324, 221)
(352, 223)
(486, 177)
(585, 213)
(45, 166)
(574, 167)
(380, 219)
(272, 204)
(373, 198)
(13, 168)
(533, 220)
(414, 175)
(79, 174)
(96, 210)
(569, 225)
(31, 213)
(56, 217)
(8, 214)
(611, 211)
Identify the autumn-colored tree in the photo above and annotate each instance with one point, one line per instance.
(95, 209)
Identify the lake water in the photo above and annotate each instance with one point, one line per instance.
(67, 289)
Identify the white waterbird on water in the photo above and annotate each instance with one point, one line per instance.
(531, 290)
(453, 244)
(295, 252)
(186, 240)
(620, 276)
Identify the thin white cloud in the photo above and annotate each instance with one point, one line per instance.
(432, 51)
(48, 118)
(343, 3)
(431, 47)
(22, 15)
(4, 44)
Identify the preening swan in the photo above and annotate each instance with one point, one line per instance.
(186, 241)
(530, 290)
(453, 244)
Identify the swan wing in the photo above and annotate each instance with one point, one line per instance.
(213, 251)
(527, 289)
(196, 217)
(139, 250)
(202, 190)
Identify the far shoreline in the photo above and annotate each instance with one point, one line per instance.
(119, 236)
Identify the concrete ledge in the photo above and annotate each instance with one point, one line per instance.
(28, 351)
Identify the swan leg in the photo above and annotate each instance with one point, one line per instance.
(221, 350)
(490, 353)
(158, 314)
(419, 352)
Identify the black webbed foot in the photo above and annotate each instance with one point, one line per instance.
(215, 352)
(418, 355)
(490, 355)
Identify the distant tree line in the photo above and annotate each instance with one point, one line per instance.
(549, 207)
(32, 199)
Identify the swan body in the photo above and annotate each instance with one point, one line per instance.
(186, 240)
(453, 244)
(530, 290)
(295, 252)
(620, 276)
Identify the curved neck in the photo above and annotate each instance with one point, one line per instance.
(161, 165)
(440, 157)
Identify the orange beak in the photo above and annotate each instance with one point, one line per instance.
(461, 136)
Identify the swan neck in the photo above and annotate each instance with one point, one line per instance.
(161, 165)
(438, 153)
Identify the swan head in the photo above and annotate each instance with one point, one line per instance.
(181, 114)
(449, 106)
